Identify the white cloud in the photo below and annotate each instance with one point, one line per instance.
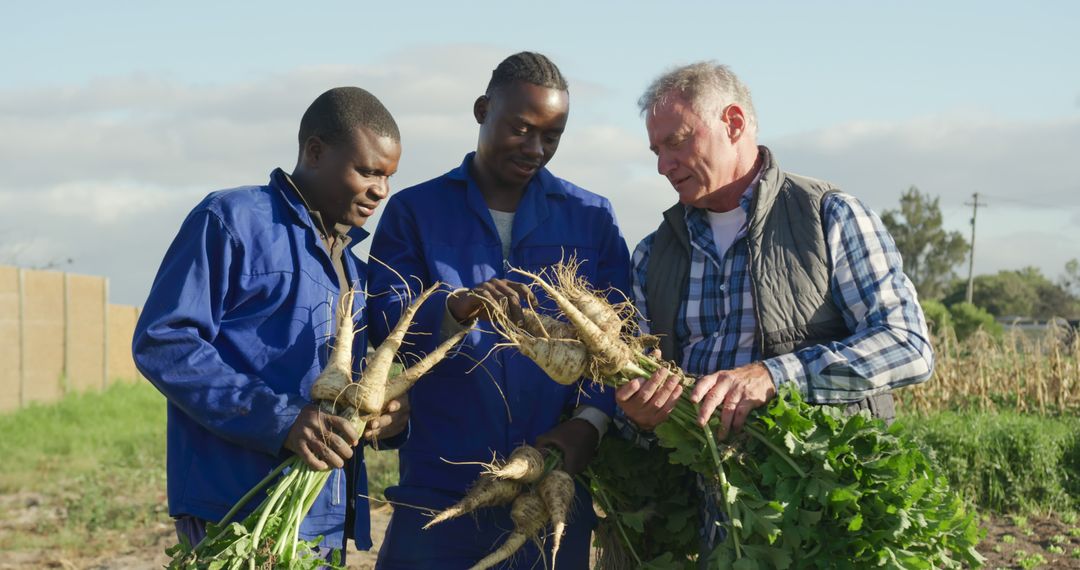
(103, 172)
(1026, 171)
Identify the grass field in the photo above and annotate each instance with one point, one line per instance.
(83, 476)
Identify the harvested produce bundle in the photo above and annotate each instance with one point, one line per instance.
(269, 536)
(537, 491)
(802, 487)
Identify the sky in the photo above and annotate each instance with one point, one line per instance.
(118, 117)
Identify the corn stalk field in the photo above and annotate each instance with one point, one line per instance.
(1018, 373)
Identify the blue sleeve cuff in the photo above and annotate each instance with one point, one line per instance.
(787, 368)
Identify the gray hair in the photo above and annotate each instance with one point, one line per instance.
(708, 86)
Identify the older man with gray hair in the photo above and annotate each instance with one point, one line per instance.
(759, 277)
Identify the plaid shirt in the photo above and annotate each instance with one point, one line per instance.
(888, 347)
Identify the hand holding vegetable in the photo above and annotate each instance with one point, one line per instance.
(323, 441)
(649, 402)
(393, 420)
(736, 392)
(477, 302)
(576, 439)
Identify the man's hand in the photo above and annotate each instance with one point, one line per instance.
(649, 402)
(321, 440)
(392, 421)
(737, 392)
(576, 439)
(476, 302)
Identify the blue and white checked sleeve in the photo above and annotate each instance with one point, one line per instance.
(890, 346)
(639, 263)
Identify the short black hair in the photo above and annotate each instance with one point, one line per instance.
(527, 66)
(334, 115)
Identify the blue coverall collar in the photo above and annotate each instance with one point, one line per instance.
(299, 209)
(532, 210)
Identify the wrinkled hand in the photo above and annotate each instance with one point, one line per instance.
(736, 392)
(576, 439)
(475, 303)
(321, 440)
(649, 402)
(392, 421)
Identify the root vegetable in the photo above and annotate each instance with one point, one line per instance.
(610, 354)
(578, 291)
(487, 492)
(372, 394)
(529, 516)
(525, 464)
(544, 326)
(401, 383)
(335, 380)
(564, 360)
(557, 491)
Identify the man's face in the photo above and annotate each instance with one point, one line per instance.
(520, 127)
(352, 176)
(696, 158)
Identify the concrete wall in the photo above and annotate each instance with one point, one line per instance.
(59, 334)
(10, 353)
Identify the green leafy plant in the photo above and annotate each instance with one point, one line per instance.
(1030, 560)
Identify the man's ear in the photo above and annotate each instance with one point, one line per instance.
(313, 151)
(480, 108)
(735, 119)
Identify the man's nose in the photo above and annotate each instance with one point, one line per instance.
(533, 148)
(664, 164)
(381, 189)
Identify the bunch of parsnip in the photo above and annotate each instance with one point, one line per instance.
(536, 490)
(269, 536)
(803, 486)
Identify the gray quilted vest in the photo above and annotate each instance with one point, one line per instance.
(789, 268)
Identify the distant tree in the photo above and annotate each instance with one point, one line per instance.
(937, 315)
(967, 318)
(930, 253)
(1023, 293)
(1070, 281)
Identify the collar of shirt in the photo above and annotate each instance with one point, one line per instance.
(697, 221)
(543, 178)
(295, 197)
(532, 211)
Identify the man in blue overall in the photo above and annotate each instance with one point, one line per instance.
(500, 209)
(239, 321)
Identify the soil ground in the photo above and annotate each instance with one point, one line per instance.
(1056, 542)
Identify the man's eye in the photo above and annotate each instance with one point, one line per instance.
(520, 131)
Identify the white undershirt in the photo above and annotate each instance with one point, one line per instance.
(725, 226)
(504, 224)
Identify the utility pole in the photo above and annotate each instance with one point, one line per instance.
(971, 254)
